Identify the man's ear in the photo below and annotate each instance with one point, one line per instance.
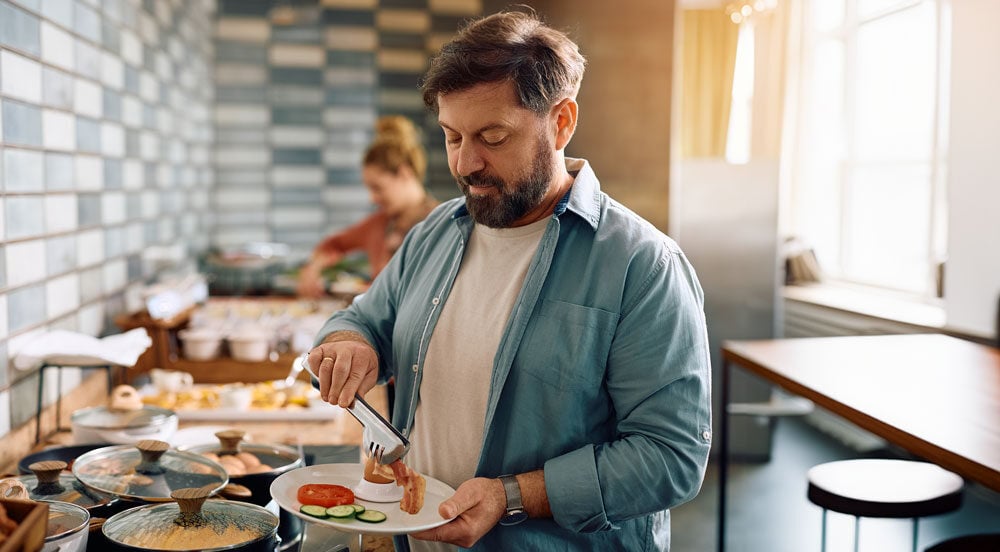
(565, 118)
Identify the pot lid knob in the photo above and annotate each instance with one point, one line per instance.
(230, 440)
(190, 500)
(151, 450)
(47, 471)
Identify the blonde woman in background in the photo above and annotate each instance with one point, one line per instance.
(393, 170)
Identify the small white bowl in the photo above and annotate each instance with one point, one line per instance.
(378, 492)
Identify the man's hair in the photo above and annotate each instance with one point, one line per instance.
(544, 65)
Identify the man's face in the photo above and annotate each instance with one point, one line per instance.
(499, 153)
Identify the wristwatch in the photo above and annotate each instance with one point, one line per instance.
(515, 510)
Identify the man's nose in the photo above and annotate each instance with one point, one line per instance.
(468, 160)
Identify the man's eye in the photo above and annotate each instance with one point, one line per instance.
(494, 140)
(453, 139)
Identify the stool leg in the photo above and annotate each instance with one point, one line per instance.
(822, 533)
(857, 532)
(916, 532)
(38, 412)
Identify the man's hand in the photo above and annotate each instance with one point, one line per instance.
(477, 506)
(344, 368)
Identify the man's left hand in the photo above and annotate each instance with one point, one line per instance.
(477, 506)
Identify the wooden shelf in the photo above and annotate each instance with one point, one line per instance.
(229, 370)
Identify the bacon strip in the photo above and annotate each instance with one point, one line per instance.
(414, 486)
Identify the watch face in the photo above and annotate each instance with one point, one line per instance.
(513, 517)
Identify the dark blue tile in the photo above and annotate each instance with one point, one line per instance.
(361, 96)
(441, 23)
(111, 37)
(112, 105)
(149, 175)
(88, 210)
(26, 307)
(407, 4)
(19, 29)
(343, 177)
(133, 264)
(151, 232)
(245, 7)
(240, 94)
(298, 34)
(59, 173)
(297, 196)
(58, 11)
(131, 79)
(112, 174)
(149, 58)
(286, 75)
(296, 156)
(148, 116)
(132, 143)
(25, 216)
(23, 171)
(296, 115)
(22, 124)
(60, 254)
(57, 88)
(349, 17)
(88, 135)
(393, 79)
(87, 22)
(23, 397)
(133, 205)
(344, 58)
(114, 242)
(390, 39)
(228, 50)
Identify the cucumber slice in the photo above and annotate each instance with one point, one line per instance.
(314, 511)
(371, 516)
(358, 508)
(343, 511)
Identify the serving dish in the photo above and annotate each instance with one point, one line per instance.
(285, 488)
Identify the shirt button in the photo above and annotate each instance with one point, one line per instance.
(435, 301)
(414, 368)
(706, 435)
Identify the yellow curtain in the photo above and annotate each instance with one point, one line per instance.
(771, 78)
(708, 58)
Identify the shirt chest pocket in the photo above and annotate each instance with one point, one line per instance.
(566, 345)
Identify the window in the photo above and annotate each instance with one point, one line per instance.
(868, 157)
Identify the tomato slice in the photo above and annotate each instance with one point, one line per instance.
(322, 494)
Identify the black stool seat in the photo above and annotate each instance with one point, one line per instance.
(882, 488)
(969, 543)
(885, 488)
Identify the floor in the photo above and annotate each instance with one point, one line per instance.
(768, 510)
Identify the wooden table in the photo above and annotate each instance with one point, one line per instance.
(935, 396)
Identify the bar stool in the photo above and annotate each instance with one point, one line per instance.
(883, 488)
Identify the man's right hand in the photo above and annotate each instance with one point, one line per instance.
(344, 367)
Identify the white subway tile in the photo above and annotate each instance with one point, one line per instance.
(90, 247)
(456, 7)
(297, 136)
(58, 130)
(5, 411)
(112, 71)
(149, 90)
(149, 146)
(297, 55)
(229, 198)
(242, 156)
(150, 203)
(26, 262)
(133, 175)
(88, 59)
(115, 275)
(131, 111)
(363, 4)
(113, 208)
(89, 172)
(240, 74)
(357, 39)
(295, 217)
(20, 77)
(62, 295)
(131, 48)
(60, 212)
(112, 139)
(244, 29)
(395, 59)
(400, 20)
(87, 99)
(90, 319)
(3, 316)
(57, 46)
(242, 115)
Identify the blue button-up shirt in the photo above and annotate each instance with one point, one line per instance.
(602, 375)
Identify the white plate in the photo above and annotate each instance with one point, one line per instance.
(397, 522)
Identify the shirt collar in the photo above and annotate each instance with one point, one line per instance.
(583, 197)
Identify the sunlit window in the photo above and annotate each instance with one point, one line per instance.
(868, 171)
(741, 108)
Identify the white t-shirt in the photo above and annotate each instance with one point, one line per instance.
(447, 433)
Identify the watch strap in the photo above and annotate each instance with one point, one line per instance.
(513, 492)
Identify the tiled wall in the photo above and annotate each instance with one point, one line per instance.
(299, 86)
(105, 150)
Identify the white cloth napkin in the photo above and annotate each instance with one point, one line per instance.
(65, 348)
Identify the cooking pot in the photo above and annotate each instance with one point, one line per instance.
(50, 482)
(193, 523)
(147, 471)
(104, 424)
(68, 528)
(274, 461)
(67, 454)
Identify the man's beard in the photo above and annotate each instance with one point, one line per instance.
(513, 201)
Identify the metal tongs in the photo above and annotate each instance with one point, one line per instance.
(384, 442)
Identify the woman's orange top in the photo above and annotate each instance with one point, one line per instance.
(378, 235)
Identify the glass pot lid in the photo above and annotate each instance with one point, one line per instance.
(192, 523)
(103, 417)
(240, 458)
(51, 482)
(65, 519)
(147, 471)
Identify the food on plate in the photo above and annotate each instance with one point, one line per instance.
(414, 485)
(343, 512)
(325, 495)
(377, 473)
(264, 396)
